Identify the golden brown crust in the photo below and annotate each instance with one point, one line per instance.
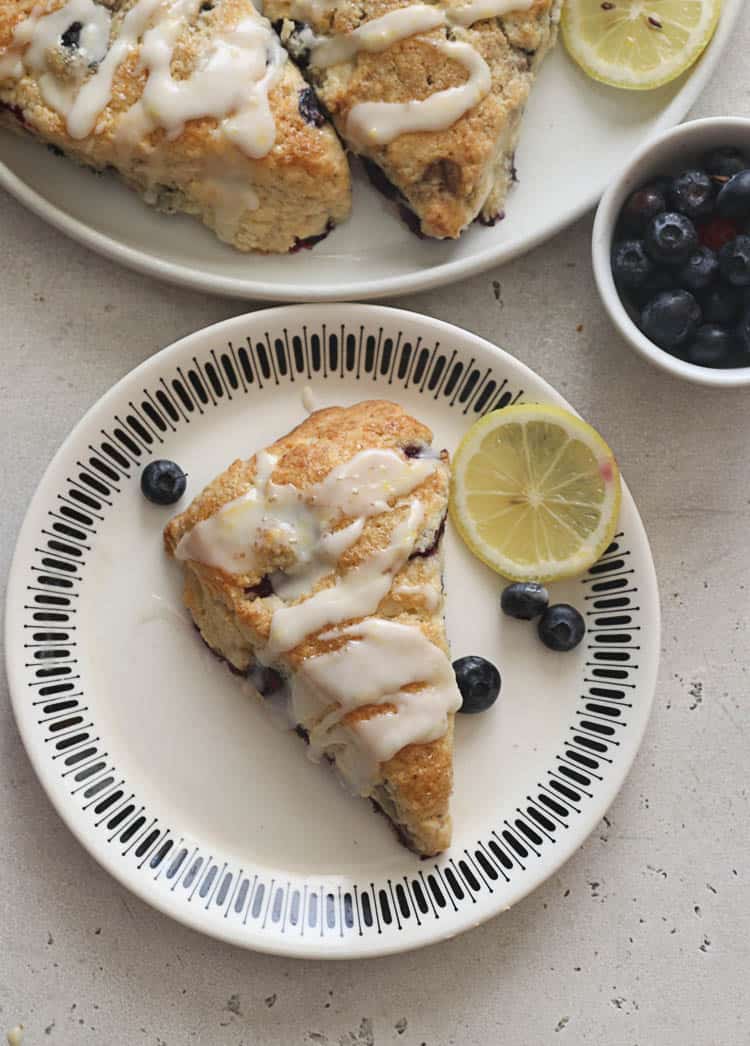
(416, 783)
(302, 185)
(446, 177)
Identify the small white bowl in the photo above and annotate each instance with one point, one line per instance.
(668, 153)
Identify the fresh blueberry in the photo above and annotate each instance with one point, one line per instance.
(734, 261)
(692, 194)
(734, 199)
(479, 683)
(561, 627)
(163, 482)
(743, 338)
(659, 280)
(671, 318)
(641, 207)
(699, 271)
(671, 238)
(631, 266)
(725, 162)
(524, 600)
(721, 304)
(711, 347)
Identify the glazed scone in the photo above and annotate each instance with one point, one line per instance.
(315, 569)
(193, 102)
(433, 94)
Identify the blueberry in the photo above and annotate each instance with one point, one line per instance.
(743, 338)
(711, 347)
(671, 318)
(725, 162)
(561, 627)
(266, 681)
(479, 683)
(734, 260)
(71, 38)
(692, 194)
(163, 482)
(721, 304)
(734, 199)
(671, 238)
(630, 263)
(641, 207)
(524, 600)
(659, 280)
(699, 271)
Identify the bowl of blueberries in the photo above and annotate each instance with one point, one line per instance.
(671, 251)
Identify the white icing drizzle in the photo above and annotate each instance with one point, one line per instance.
(299, 520)
(378, 123)
(356, 593)
(427, 593)
(230, 197)
(374, 667)
(308, 399)
(230, 83)
(377, 35)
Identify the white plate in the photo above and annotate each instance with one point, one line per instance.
(577, 135)
(178, 784)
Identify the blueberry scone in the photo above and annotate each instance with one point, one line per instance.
(430, 94)
(315, 569)
(193, 102)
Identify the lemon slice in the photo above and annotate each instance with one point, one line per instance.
(535, 492)
(638, 44)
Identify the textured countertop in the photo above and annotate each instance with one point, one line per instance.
(643, 938)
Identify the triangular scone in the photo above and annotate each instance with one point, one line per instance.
(315, 569)
(193, 102)
(432, 93)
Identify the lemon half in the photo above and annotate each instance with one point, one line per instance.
(535, 492)
(638, 44)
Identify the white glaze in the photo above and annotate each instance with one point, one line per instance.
(230, 83)
(378, 34)
(301, 521)
(308, 399)
(479, 10)
(231, 198)
(427, 593)
(378, 123)
(379, 660)
(355, 594)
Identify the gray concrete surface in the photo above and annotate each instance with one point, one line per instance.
(643, 939)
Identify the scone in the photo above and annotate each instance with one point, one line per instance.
(193, 102)
(315, 569)
(432, 94)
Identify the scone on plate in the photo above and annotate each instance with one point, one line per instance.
(193, 102)
(315, 569)
(431, 94)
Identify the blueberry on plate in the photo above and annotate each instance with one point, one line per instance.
(699, 271)
(631, 265)
(524, 600)
(724, 163)
(711, 347)
(734, 261)
(561, 627)
(671, 318)
(692, 194)
(721, 304)
(163, 482)
(671, 238)
(641, 206)
(734, 199)
(479, 683)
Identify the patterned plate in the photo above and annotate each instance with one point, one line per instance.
(178, 784)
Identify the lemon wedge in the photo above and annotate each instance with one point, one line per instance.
(638, 44)
(535, 492)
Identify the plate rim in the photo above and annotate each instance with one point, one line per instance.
(364, 289)
(107, 858)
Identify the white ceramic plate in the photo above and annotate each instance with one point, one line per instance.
(178, 784)
(577, 135)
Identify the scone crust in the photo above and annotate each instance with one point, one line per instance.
(447, 177)
(302, 184)
(417, 782)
